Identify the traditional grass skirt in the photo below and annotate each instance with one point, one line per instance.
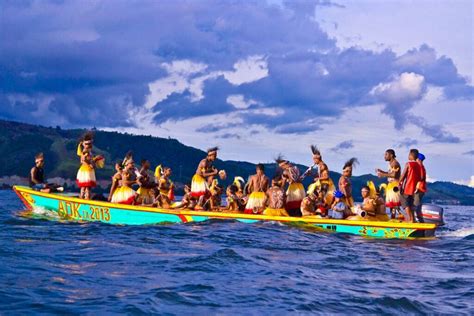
(144, 194)
(124, 195)
(198, 186)
(86, 177)
(294, 196)
(275, 212)
(256, 200)
(392, 195)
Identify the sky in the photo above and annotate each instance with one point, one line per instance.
(257, 78)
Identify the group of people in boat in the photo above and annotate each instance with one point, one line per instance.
(283, 195)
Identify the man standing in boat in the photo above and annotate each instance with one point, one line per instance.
(420, 188)
(257, 186)
(409, 180)
(205, 173)
(392, 189)
(295, 192)
(345, 184)
(320, 171)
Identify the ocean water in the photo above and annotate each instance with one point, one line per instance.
(226, 267)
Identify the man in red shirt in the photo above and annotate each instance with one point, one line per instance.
(411, 175)
(420, 189)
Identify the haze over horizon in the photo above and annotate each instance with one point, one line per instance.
(257, 78)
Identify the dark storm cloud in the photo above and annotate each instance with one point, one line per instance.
(90, 63)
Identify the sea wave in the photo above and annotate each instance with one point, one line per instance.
(227, 267)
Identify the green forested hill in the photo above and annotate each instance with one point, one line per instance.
(20, 142)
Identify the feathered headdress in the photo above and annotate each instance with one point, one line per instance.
(158, 171)
(372, 189)
(86, 139)
(280, 159)
(212, 150)
(351, 163)
(315, 151)
(238, 182)
(128, 158)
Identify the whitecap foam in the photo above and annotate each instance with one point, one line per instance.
(41, 211)
(460, 233)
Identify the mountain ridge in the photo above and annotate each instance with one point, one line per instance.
(19, 142)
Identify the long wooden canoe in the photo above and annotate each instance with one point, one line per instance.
(75, 209)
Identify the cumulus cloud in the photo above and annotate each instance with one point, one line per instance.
(400, 94)
(347, 144)
(265, 64)
(407, 143)
(469, 182)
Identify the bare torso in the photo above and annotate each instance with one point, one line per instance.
(275, 198)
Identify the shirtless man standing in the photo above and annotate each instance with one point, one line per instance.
(321, 176)
(256, 187)
(392, 190)
(345, 184)
(205, 173)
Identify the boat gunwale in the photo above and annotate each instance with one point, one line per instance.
(210, 214)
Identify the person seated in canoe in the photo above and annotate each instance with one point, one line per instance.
(316, 201)
(37, 175)
(295, 192)
(319, 170)
(124, 194)
(368, 209)
(372, 208)
(339, 208)
(345, 184)
(381, 208)
(234, 204)
(166, 188)
(392, 188)
(323, 202)
(239, 182)
(215, 190)
(201, 181)
(145, 184)
(308, 205)
(37, 181)
(256, 188)
(275, 201)
(187, 202)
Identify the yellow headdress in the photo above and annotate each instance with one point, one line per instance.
(238, 181)
(373, 191)
(158, 172)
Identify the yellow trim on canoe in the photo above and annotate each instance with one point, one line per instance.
(306, 219)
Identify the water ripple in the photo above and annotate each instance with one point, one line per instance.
(227, 267)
